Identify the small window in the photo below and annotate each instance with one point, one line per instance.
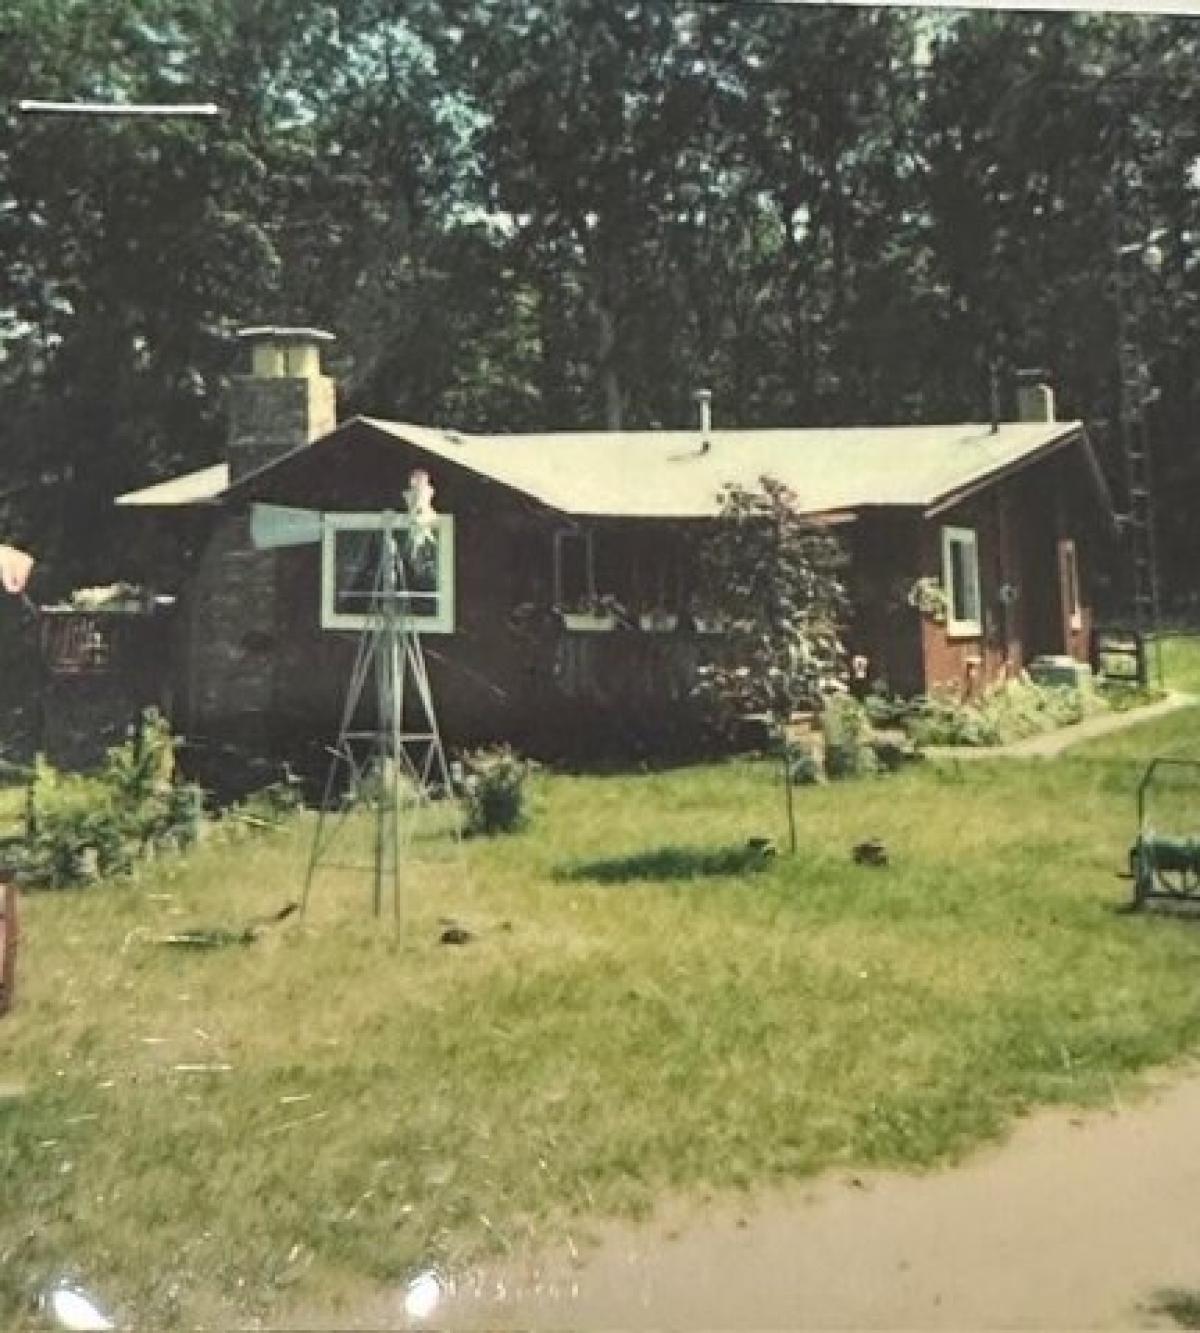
(353, 551)
(960, 578)
(1068, 563)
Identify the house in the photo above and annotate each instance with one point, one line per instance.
(987, 528)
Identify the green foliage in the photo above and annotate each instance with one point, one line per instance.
(1179, 1304)
(928, 598)
(75, 832)
(276, 801)
(494, 791)
(559, 214)
(80, 828)
(1121, 697)
(804, 768)
(777, 583)
(1008, 713)
(848, 751)
(886, 710)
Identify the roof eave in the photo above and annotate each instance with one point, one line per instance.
(244, 489)
(130, 501)
(1073, 434)
(178, 492)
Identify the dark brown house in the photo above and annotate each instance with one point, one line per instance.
(970, 549)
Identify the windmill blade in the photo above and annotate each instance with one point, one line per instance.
(274, 526)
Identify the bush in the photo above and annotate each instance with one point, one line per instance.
(848, 752)
(885, 710)
(1008, 713)
(81, 828)
(74, 832)
(493, 790)
(1121, 696)
(276, 801)
(804, 768)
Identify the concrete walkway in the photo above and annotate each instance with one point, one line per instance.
(1079, 1221)
(1051, 744)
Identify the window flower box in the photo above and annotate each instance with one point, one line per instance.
(597, 614)
(591, 622)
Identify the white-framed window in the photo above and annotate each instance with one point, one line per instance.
(352, 551)
(1068, 564)
(960, 579)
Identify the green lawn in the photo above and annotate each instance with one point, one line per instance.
(1181, 662)
(637, 1015)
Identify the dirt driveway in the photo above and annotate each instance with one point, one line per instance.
(1076, 1222)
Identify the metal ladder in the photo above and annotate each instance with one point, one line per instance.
(1139, 520)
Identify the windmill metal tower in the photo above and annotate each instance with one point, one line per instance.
(392, 762)
(389, 761)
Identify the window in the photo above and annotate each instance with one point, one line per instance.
(352, 553)
(574, 570)
(1068, 565)
(960, 578)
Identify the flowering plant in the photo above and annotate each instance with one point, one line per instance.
(927, 596)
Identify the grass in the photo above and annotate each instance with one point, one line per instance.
(637, 1015)
(1181, 662)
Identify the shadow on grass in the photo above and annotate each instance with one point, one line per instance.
(1180, 1305)
(667, 863)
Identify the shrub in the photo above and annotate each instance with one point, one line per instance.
(494, 791)
(804, 768)
(1121, 696)
(891, 755)
(776, 583)
(885, 710)
(80, 828)
(277, 800)
(848, 753)
(74, 831)
(1008, 713)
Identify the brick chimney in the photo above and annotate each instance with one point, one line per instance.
(285, 402)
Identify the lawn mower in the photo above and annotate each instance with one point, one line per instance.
(1162, 867)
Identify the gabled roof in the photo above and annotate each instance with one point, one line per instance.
(681, 474)
(202, 487)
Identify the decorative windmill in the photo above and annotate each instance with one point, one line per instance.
(389, 758)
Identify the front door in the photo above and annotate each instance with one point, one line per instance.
(1070, 603)
(1039, 593)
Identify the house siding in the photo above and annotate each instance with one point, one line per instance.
(264, 673)
(884, 628)
(1019, 524)
(230, 645)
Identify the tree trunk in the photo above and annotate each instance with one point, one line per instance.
(606, 369)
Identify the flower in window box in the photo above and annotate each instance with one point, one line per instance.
(705, 618)
(659, 620)
(597, 612)
(927, 596)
